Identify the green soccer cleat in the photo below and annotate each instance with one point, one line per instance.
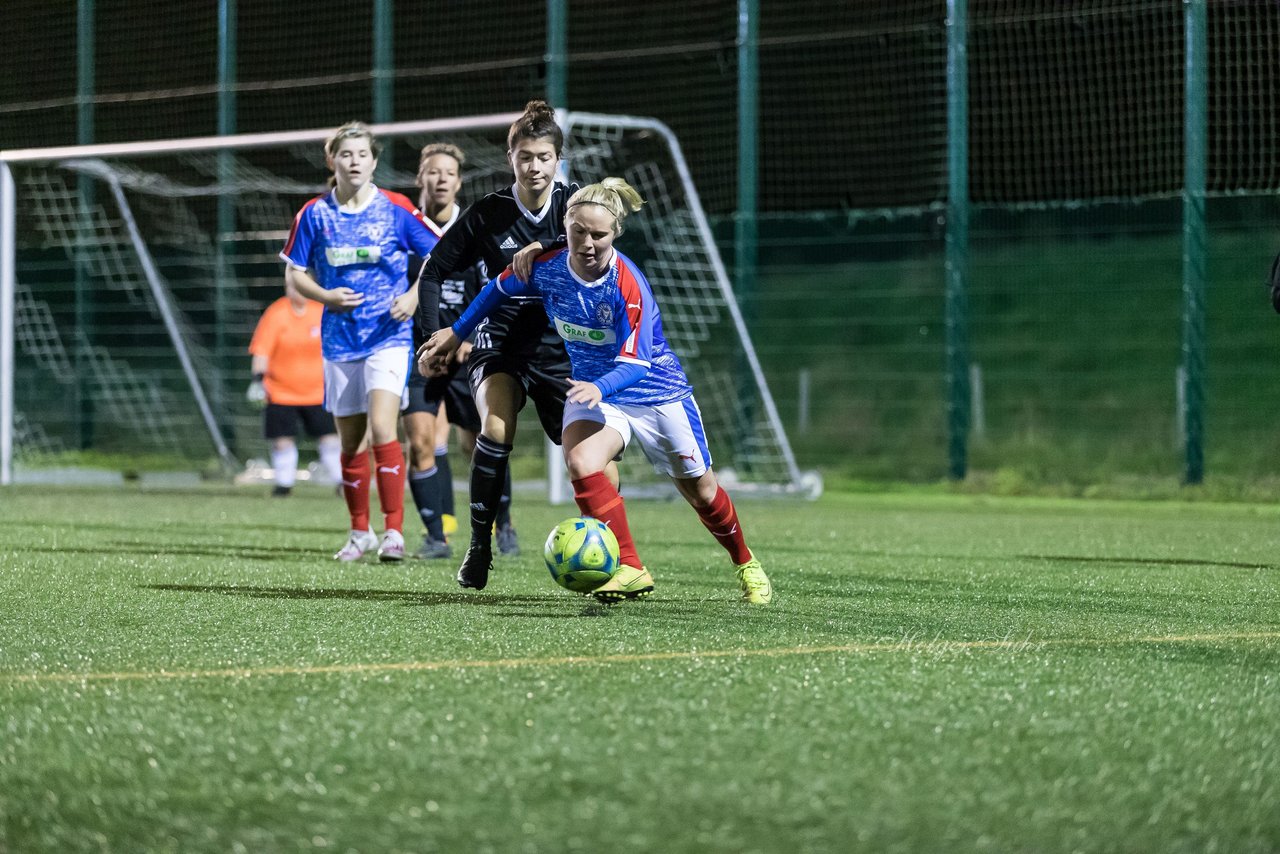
(627, 583)
(755, 585)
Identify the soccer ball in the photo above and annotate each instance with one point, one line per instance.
(581, 553)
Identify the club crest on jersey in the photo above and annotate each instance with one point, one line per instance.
(604, 314)
(584, 334)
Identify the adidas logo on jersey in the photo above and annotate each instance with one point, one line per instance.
(509, 243)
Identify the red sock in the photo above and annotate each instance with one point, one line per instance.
(721, 520)
(390, 459)
(355, 489)
(596, 497)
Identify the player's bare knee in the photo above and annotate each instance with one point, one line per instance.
(699, 491)
(695, 499)
(383, 433)
(422, 455)
(580, 464)
(577, 470)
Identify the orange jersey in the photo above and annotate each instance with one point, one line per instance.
(291, 345)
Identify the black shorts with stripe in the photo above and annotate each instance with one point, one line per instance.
(517, 340)
(427, 394)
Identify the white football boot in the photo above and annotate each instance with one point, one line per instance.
(392, 547)
(357, 544)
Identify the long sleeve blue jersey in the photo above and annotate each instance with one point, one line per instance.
(611, 321)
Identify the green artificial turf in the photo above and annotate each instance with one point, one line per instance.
(190, 671)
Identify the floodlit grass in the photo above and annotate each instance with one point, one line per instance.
(191, 672)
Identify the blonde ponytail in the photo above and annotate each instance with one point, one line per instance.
(614, 195)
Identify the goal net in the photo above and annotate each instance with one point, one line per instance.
(132, 275)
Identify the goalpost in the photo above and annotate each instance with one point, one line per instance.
(131, 276)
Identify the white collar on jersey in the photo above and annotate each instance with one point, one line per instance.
(613, 262)
(528, 214)
(346, 210)
(453, 217)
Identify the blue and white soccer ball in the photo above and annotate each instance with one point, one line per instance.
(581, 553)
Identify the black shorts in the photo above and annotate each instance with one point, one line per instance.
(519, 341)
(279, 421)
(452, 389)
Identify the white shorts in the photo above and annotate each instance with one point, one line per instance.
(347, 384)
(670, 434)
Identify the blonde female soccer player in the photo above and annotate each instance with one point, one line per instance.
(348, 250)
(627, 384)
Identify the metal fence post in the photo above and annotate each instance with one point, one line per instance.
(1194, 241)
(556, 57)
(957, 239)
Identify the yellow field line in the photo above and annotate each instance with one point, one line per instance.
(936, 644)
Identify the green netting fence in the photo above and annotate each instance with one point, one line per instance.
(1075, 135)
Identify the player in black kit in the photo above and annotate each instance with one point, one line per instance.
(435, 402)
(517, 355)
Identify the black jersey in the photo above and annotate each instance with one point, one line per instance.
(457, 291)
(490, 232)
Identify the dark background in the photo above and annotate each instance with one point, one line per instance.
(1068, 100)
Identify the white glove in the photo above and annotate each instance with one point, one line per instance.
(256, 394)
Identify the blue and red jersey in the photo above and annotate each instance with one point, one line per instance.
(367, 251)
(612, 320)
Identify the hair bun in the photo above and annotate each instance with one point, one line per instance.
(539, 109)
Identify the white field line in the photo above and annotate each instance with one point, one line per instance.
(936, 645)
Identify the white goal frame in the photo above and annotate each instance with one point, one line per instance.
(808, 483)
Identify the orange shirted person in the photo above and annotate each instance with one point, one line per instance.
(290, 341)
(288, 378)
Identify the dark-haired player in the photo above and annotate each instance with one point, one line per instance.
(516, 354)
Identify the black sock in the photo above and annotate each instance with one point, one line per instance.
(444, 473)
(504, 504)
(425, 486)
(488, 471)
